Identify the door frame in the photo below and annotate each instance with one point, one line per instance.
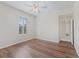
(72, 27)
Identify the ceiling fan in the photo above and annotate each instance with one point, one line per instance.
(36, 6)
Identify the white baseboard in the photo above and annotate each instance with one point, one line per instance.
(14, 43)
(51, 40)
(77, 51)
(26, 39)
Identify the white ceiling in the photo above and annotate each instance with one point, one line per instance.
(52, 5)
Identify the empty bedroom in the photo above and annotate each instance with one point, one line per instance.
(39, 29)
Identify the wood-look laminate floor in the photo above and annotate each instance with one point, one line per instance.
(39, 49)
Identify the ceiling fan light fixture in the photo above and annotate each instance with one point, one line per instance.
(35, 8)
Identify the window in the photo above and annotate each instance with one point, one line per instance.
(22, 25)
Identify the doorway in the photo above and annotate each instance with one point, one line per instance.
(66, 28)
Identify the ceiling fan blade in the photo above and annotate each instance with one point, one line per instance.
(43, 7)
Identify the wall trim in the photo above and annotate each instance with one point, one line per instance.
(14, 43)
(47, 39)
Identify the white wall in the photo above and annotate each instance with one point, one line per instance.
(47, 26)
(66, 11)
(9, 26)
(76, 25)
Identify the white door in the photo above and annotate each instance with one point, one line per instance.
(65, 27)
